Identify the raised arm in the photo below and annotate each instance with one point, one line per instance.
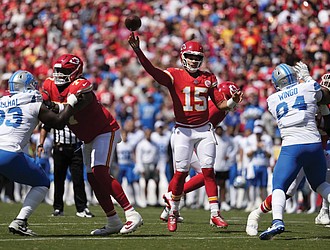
(159, 75)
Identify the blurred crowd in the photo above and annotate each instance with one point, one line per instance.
(243, 41)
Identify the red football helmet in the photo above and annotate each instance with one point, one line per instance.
(228, 89)
(325, 81)
(67, 68)
(192, 55)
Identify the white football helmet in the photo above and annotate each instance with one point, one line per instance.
(284, 76)
(22, 81)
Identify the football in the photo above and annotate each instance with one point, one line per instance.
(133, 22)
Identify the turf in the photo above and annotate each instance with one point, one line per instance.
(71, 232)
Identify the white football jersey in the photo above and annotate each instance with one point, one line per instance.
(161, 141)
(125, 153)
(18, 118)
(294, 110)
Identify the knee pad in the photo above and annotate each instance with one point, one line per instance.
(182, 166)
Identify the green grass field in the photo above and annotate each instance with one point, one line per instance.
(71, 232)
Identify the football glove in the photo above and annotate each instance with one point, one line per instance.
(302, 71)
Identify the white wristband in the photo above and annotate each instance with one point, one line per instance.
(231, 103)
(324, 110)
(72, 100)
(60, 107)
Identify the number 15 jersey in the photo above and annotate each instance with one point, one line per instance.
(294, 110)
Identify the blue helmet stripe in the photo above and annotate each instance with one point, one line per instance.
(11, 82)
(288, 73)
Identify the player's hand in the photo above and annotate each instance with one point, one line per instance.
(237, 96)
(40, 150)
(302, 71)
(134, 41)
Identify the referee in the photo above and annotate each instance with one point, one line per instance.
(67, 153)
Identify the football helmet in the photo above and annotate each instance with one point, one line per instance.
(191, 55)
(284, 76)
(325, 81)
(22, 81)
(67, 68)
(228, 89)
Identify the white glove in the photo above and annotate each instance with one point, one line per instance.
(72, 100)
(302, 71)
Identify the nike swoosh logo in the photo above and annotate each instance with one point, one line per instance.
(128, 225)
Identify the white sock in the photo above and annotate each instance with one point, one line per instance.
(32, 200)
(278, 204)
(214, 208)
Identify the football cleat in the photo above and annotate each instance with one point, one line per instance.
(85, 213)
(57, 212)
(134, 220)
(113, 227)
(172, 221)
(19, 226)
(252, 224)
(322, 218)
(166, 211)
(107, 230)
(277, 227)
(218, 221)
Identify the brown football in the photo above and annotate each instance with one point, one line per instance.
(133, 22)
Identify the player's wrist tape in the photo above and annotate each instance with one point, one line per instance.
(60, 107)
(41, 145)
(231, 103)
(307, 78)
(324, 110)
(72, 100)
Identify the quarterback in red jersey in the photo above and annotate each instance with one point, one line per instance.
(97, 128)
(216, 116)
(190, 89)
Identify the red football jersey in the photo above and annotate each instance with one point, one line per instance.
(190, 96)
(89, 122)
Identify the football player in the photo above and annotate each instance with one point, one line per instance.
(294, 106)
(97, 128)
(20, 113)
(266, 206)
(190, 89)
(216, 116)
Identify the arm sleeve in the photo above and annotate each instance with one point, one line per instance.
(159, 75)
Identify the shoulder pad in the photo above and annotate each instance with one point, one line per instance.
(80, 86)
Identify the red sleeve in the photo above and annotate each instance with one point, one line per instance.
(216, 96)
(159, 75)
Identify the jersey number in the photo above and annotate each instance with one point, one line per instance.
(16, 120)
(200, 101)
(282, 108)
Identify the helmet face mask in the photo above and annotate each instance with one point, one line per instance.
(67, 68)
(284, 76)
(22, 81)
(325, 81)
(192, 55)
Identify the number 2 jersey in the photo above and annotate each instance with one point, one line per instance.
(294, 109)
(89, 122)
(18, 118)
